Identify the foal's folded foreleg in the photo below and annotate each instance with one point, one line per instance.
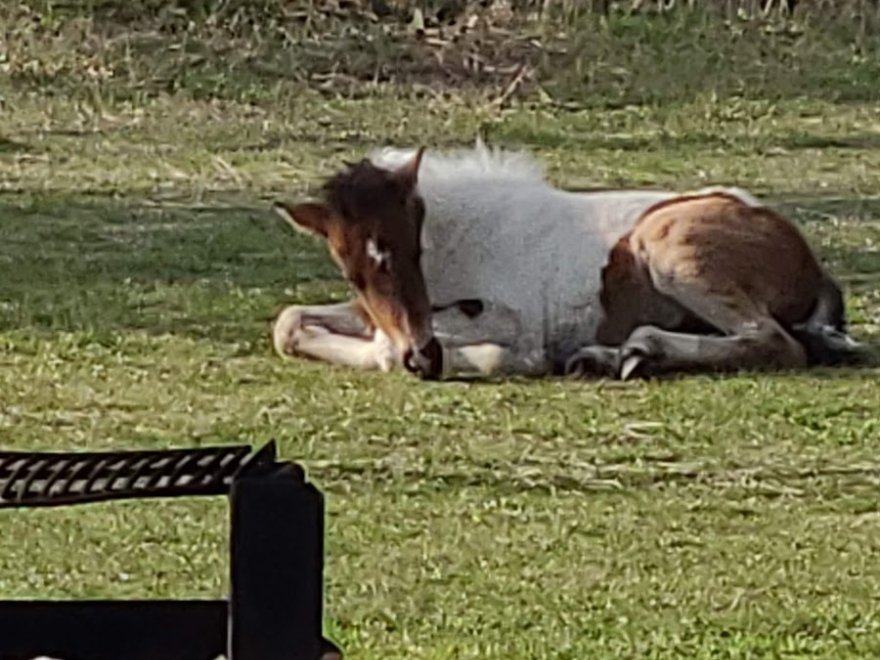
(486, 343)
(337, 334)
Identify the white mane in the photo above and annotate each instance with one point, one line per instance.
(479, 162)
(484, 163)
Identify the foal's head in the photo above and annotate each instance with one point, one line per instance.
(371, 219)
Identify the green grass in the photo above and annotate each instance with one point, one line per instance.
(700, 517)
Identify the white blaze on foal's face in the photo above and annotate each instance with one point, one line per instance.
(378, 257)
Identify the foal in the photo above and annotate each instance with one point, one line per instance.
(472, 262)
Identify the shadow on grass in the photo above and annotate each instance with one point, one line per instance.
(8, 146)
(221, 272)
(104, 266)
(622, 476)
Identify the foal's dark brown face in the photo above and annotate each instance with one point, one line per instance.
(372, 221)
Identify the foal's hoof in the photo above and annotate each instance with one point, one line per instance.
(638, 357)
(632, 367)
(287, 330)
(596, 361)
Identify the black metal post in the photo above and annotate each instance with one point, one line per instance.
(113, 630)
(277, 559)
(277, 538)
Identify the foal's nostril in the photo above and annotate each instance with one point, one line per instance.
(409, 362)
(427, 363)
(432, 356)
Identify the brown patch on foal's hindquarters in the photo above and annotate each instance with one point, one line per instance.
(711, 262)
(731, 250)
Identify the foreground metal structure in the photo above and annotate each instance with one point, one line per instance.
(274, 611)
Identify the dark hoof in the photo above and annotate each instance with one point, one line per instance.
(637, 360)
(592, 361)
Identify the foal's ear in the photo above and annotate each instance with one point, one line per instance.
(408, 174)
(310, 218)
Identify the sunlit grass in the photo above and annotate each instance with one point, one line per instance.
(699, 517)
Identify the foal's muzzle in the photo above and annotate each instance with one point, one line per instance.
(426, 362)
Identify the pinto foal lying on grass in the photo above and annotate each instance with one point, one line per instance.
(471, 261)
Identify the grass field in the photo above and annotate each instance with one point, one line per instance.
(731, 517)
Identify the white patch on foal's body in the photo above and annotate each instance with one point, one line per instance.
(496, 230)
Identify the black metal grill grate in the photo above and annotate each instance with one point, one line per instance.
(54, 479)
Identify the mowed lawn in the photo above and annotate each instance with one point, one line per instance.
(699, 517)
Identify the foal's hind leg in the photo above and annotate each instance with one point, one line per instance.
(337, 334)
(752, 339)
(762, 345)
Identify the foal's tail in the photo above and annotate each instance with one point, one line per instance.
(824, 334)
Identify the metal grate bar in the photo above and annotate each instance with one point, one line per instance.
(113, 630)
(35, 479)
